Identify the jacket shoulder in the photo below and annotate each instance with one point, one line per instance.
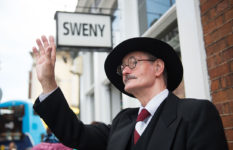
(194, 109)
(190, 104)
(202, 122)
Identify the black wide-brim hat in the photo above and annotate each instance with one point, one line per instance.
(153, 46)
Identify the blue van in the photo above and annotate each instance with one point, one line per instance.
(20, 124)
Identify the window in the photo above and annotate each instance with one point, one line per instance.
(156, 8)
(116, 27)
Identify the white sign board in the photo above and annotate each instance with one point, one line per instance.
(83, 30)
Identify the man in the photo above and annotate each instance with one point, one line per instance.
(149, 70)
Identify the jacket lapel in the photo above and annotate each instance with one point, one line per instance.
(163, 134)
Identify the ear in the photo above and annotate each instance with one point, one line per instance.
(159, 67)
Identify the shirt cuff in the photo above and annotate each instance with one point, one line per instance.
(42, 96)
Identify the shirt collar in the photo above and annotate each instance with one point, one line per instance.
(154, 103)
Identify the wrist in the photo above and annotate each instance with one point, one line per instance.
(48, 86)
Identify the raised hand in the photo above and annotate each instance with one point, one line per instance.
(45, 63)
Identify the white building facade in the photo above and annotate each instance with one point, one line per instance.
(176, 22)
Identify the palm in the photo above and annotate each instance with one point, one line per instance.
(45, 62)
(44, 67)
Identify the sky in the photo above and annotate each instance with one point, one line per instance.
(21, 23)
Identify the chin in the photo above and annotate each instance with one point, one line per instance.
(129, 89)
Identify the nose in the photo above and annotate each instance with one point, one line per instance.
(126, 70)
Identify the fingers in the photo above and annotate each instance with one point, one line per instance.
(51, 40)
(45, 41)
(48, 52)
(35, 52)
(44, 45)
(53, 52)
(41, 47)
(47, 47)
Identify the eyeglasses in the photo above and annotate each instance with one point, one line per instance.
(132, 62)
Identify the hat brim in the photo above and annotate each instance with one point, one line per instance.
(153, 46)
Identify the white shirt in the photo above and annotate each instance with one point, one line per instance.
(151, 107)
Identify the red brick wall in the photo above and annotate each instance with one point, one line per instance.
(217, 23)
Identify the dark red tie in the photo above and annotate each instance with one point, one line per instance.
(142, 116)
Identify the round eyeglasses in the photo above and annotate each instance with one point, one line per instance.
(132, 62)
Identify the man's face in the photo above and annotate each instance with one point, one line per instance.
(141, 77)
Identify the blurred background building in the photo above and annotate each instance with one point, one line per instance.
(199, 30)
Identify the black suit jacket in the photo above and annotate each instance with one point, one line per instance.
(181, 125)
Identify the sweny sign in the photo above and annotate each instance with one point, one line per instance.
(83, 30)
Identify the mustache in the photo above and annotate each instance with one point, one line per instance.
(128, 77)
